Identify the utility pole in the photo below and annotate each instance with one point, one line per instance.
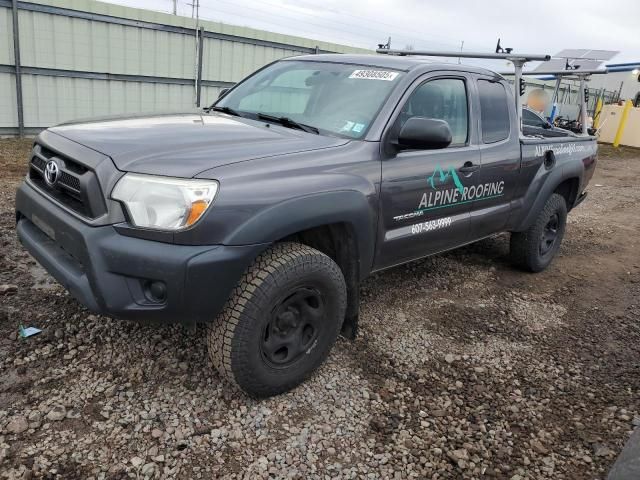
(175, 7)
(18, 67)
(195, 9)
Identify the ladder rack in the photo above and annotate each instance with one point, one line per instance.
(518, 60)
(572, 74)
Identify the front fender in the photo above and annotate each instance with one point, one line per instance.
(302, 213)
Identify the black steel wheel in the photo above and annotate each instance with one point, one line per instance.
(549, 234)
(293, 327)
(281, 321)
(535, 248)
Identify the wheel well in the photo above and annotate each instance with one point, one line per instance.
(338, 241)
(569, 190)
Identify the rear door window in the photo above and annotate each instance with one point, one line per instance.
(494, 111)
(531, 119)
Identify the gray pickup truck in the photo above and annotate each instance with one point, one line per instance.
(261, 215)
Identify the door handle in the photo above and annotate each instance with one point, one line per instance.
(468, 167)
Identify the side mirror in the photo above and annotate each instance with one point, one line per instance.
(425, 133)
(223, 92)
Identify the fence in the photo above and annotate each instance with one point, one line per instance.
(68, 59)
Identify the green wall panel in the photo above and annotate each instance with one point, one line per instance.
(8, 110)
(6, 37)
(52, 100)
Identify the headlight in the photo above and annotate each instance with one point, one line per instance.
(164, 203)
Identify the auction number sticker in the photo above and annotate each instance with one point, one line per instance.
(374, 75)
(431, 225)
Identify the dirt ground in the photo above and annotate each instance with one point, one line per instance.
(464, 368)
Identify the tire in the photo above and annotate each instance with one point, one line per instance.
(281, 320)
(535, 248)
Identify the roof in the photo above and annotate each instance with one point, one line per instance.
(395, 62)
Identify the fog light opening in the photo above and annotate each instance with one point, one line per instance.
(157, 291)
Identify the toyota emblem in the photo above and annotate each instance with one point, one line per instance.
(51, 173)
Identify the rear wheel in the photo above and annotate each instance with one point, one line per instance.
(281, 321)
(535, 248)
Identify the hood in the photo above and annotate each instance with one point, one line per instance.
(183, 145)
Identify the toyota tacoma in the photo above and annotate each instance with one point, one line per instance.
(261, 215)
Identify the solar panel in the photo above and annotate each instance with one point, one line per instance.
(552, 65)
(601, 54)
(561, 63)
(571, 53)
(583, 64)
(587, 54)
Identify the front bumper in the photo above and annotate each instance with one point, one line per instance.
(110, 273)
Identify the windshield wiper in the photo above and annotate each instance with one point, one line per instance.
(227, 110)
(288, 122)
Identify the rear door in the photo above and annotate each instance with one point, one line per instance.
(499, 146)
(423, 205)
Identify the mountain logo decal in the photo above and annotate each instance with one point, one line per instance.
(440, 176)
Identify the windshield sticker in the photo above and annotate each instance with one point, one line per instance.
(374, 75)
(347, 127)
(358, 127)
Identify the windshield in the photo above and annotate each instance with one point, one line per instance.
(334, 98)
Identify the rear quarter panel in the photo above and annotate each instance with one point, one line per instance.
(574, 158)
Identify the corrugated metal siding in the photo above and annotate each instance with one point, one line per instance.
(8, 110)
(232, 61)
(6, 36)
(52, 100)
(210, 95)
(95, 46)
(163, 18)
(54, 41)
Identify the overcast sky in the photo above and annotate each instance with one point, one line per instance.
(544, 26)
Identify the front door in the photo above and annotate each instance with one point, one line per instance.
(425, 194)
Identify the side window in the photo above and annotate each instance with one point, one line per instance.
(530, 118)
(494, 111)
(443, 99)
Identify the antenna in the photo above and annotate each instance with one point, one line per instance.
(499, 49)
(385, 46)
(195, 9)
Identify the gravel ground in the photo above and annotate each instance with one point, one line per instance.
(465, 368)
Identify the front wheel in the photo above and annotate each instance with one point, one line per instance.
(281, 320)
(535, 248)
